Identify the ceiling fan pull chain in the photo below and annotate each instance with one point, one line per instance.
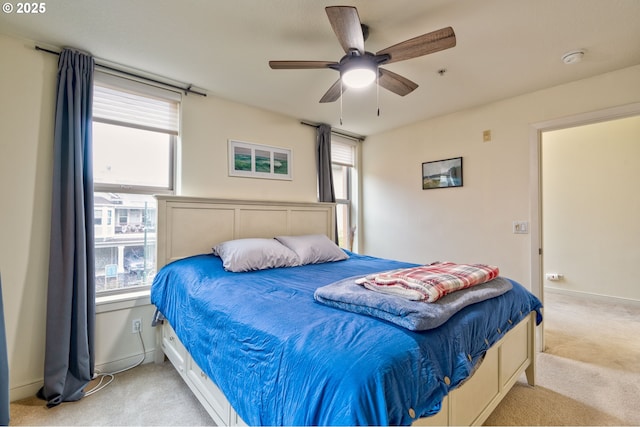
(378, 92)
(340, 102)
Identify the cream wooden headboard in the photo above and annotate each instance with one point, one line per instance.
(190, 226)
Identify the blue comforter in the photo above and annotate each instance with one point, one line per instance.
(282, 358)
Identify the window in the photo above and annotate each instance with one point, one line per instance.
(135, 131)
(344, 183)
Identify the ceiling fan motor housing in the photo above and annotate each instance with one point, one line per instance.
(359, 70)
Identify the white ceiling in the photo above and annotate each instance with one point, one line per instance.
(504, 48)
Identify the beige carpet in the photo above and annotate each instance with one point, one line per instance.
(589, 375)
(149, 395)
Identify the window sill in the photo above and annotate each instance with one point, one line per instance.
(122, 301)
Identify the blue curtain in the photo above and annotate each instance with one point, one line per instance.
(4, 368)
(69, 349)
(326, 192)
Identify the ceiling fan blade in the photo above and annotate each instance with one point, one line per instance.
(346, 24)
(334, 92)
(434, 41)
(396, 83)
(300, 65)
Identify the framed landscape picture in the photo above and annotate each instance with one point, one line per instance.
(259, 161)
(442, 173)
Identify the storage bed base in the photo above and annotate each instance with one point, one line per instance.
(469, 404)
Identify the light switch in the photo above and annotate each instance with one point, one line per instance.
(520, 227)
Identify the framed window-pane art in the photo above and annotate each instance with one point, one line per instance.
(442, 173)
(259, 161)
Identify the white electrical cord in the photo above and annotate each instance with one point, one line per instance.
(111, 375)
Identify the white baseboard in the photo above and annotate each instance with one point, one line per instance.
(26, 390)
(595, 297)
(123, 364)
(31, 389)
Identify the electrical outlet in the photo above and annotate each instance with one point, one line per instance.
(136, 326)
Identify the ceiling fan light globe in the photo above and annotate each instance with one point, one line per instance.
(358, 77)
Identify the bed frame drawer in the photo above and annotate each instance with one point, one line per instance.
(514, 353)
(211, 393)
(478, 391)
(173, 348)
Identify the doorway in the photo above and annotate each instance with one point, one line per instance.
(537, 133)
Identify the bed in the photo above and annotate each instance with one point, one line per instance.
(304, 363)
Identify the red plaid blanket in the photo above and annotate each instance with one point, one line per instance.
(429, 283)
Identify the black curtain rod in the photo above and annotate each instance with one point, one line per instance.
(337, 132)
(186, 90)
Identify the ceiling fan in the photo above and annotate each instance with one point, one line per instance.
(358, 67)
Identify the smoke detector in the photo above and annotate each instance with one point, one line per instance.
(573, 57)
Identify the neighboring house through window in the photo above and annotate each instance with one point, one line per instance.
(135, 131)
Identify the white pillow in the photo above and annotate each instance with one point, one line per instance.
(313, 248)
(254, 254)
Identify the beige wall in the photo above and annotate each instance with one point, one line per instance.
(208, 123)
(591, 207)
(472, 223)
(27, 85)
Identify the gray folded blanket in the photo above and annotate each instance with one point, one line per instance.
(413, 315)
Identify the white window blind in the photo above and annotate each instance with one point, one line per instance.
(135, 104)
(342, 152)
